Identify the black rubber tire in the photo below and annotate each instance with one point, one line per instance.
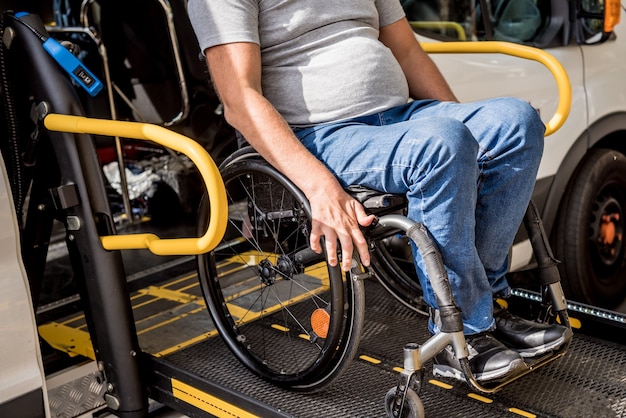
(413, 406)
(589, 231)
(273, 296)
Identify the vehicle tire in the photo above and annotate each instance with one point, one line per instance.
(590, 230)
(282, 310)
(413, 406)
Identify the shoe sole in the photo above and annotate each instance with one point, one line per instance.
(538, 351)
(514, 368)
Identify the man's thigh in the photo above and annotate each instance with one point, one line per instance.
(387, 151)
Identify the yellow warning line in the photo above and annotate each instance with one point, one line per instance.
(207, 402)
(186, 343)
(72, 319)
(248, 290)
(247, 315)
(169, 321)
(179, 280)
(280, 328)
(440, 384)
(238, 266)
(479, 397)
(370, 359)
(168, 294)
(522, 413)
(191, 286)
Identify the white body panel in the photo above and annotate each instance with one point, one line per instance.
(20, 358)
(598, 77)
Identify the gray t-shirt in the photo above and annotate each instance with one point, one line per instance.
(321, 59)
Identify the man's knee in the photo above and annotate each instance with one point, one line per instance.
(521, 114)
(519, 119)
(447, 141)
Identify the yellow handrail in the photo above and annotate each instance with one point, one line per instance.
(198, 155)
(521, 51)
(460, 32)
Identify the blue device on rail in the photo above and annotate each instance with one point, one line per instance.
(72, 65)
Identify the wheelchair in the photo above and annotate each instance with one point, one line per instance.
(296, 321)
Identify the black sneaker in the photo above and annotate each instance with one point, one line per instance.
(489, 360)
(528, 338)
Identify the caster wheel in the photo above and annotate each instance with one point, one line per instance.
(413, 406)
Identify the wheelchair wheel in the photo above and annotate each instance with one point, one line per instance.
(282, 310)
(392, 261)
(413, 406)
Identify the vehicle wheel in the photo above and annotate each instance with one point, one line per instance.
(590, 231)
(413, 406)
(281, 309)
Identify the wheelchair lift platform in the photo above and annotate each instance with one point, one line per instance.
(190, 369)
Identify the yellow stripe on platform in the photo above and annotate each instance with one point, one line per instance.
(480, 398)
(163, 293)
(370, 359)
(171, 320)
(440, 384)
(187, 343)
(522, 413)
(207, 402)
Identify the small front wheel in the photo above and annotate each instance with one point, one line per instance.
(412, 408)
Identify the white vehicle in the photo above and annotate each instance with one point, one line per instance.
(581, 185)
(581, 191)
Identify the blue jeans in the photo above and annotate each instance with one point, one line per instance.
(468, 171)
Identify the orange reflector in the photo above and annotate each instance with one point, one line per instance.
(320, 321)
(612, 14)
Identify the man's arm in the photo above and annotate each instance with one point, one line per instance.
(425, 80)
(236, 73)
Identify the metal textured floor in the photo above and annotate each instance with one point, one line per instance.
(590, 381)
(173, 324)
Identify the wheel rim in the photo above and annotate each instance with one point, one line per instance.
(607, 231)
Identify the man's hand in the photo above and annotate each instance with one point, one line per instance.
(338, 217)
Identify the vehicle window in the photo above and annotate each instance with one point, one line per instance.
(518, 21)
(591, 24)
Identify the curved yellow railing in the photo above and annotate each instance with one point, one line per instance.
(521, 51)
(455, 26)
(198, 155)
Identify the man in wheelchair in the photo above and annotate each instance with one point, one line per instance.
(334, 94)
